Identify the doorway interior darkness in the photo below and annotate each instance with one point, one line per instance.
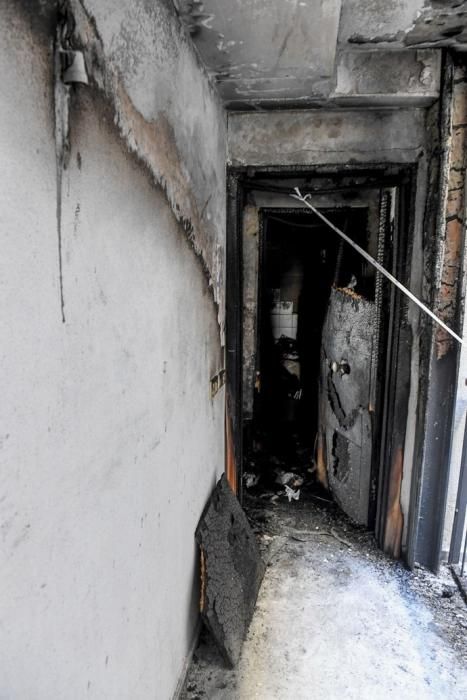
(301, 264)
(304, 268)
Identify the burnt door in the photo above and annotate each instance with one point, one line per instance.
(349, 404)
(346, 398)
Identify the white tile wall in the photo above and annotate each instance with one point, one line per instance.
(284, 321)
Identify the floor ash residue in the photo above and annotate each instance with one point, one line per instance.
(336, 619)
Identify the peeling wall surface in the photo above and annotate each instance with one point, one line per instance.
(403, 23)
(110, 440)
(383, 19)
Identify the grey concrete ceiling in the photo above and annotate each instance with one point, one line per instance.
(271, 50)
(266, 53)
(260, 49)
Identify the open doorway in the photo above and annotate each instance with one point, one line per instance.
(318, 324)
(339, 421)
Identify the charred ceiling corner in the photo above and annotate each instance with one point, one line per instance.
(439, 23)
(271, 54)
(260, 53)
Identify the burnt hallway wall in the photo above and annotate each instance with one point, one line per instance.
(111, 442)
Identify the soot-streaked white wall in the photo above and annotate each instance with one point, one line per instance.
(110, 441)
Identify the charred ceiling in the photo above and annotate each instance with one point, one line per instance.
(269, 53)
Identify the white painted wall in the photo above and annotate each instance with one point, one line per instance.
(110, 442)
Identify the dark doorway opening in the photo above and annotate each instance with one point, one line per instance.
(385, 195)
(302, 262)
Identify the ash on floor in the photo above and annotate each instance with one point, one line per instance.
(336, 618)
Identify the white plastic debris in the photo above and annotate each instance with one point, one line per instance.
(250, 479)
(291, 494)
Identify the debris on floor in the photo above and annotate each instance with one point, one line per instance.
(250, 480)
(335, 618)
(291, 494)
(231, 570)
(282, 478)
(459, 574)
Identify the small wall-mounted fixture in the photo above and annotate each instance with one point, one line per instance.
(74, 68)
(217, 382)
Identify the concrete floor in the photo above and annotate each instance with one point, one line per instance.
(336, 621)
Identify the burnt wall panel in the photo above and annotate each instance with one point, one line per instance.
(345, 398)
(232, 571)
(444, 256)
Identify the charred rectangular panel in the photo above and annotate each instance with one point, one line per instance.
(341, 457)
(231, 570)
(345, 398)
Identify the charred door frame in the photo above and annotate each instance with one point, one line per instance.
(234, 336)
(397, 387)
(393, 401)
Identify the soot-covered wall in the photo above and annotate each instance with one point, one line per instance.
(111, 442)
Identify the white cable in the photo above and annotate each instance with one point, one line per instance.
(304, 199)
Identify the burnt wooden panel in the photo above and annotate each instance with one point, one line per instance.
(233, 328)
(394, 517)
(345, 396)
(443, 249)
(230, 463)
(231, 570)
